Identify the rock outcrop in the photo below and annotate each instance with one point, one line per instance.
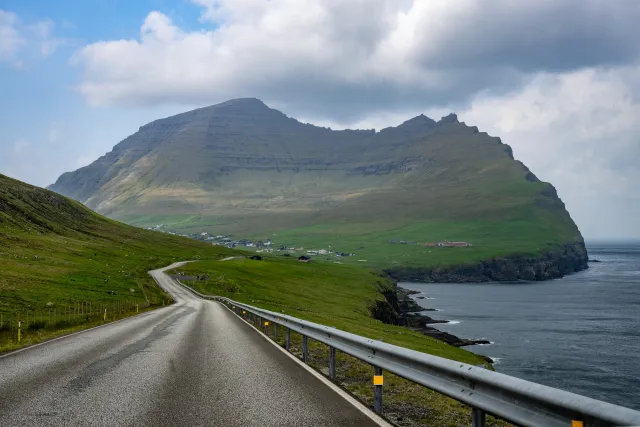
(569, 259)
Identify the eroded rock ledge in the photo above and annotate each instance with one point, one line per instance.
(570, 258)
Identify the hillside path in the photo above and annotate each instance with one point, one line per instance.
(190, 364)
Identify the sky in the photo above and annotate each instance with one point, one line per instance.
(558, 80)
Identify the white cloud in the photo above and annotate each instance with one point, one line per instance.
(43, 36)
(17, 39)
(355, 57)
(10, 39)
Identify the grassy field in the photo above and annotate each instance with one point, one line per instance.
(372, 245)
(56, 256)
(371, 241)
(514, 217)
(339, 296)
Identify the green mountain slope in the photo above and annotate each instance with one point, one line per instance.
(54, 252)
(242, 168)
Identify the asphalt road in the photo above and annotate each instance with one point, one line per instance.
(191, 364)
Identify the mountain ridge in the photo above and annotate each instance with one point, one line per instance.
(243, 167)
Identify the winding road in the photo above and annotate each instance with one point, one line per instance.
(190, 364)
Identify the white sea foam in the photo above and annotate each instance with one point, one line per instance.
(454, 322)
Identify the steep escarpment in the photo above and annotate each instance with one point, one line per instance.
(244, 169)
(569, 258)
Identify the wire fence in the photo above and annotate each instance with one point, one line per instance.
(16, 326)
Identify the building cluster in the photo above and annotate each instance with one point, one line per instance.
(260, 246)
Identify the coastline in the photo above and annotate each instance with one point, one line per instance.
(411, 315)
(564, 260)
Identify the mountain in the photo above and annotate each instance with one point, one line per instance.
(55, 252)
(243, 168)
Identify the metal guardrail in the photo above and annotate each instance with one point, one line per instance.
(512, 399)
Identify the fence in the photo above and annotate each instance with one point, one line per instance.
(512, 399)
(21, 325)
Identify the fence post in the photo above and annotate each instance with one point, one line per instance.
(332, 363)
(305, 348)
(287, 344)
(478, 417)
(377, 390)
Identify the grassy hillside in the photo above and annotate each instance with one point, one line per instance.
(333, 295)
(56, 254)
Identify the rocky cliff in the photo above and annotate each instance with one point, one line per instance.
(570, 258)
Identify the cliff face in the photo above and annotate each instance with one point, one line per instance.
(570, 258)
(245, 169)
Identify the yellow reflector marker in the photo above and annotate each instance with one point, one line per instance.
(266, 323)
(577, 424)
(244, 312)
(379, 380)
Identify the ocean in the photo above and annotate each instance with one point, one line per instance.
(580, 333)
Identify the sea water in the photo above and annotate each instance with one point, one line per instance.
(580, 333)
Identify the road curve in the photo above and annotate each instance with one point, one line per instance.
(190, 364)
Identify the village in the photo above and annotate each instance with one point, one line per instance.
(304, 255)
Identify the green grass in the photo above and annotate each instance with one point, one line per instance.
(371, 242)
(333, 295)
(55, 253)
(498, 218)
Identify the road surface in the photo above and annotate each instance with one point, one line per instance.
(191, 364)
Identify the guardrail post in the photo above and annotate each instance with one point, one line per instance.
(377, 390)
(287, 343)
(305, 348)
(478, 418)
(275, 331)
(332, 363)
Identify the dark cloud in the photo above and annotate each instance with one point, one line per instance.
(533, 35)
